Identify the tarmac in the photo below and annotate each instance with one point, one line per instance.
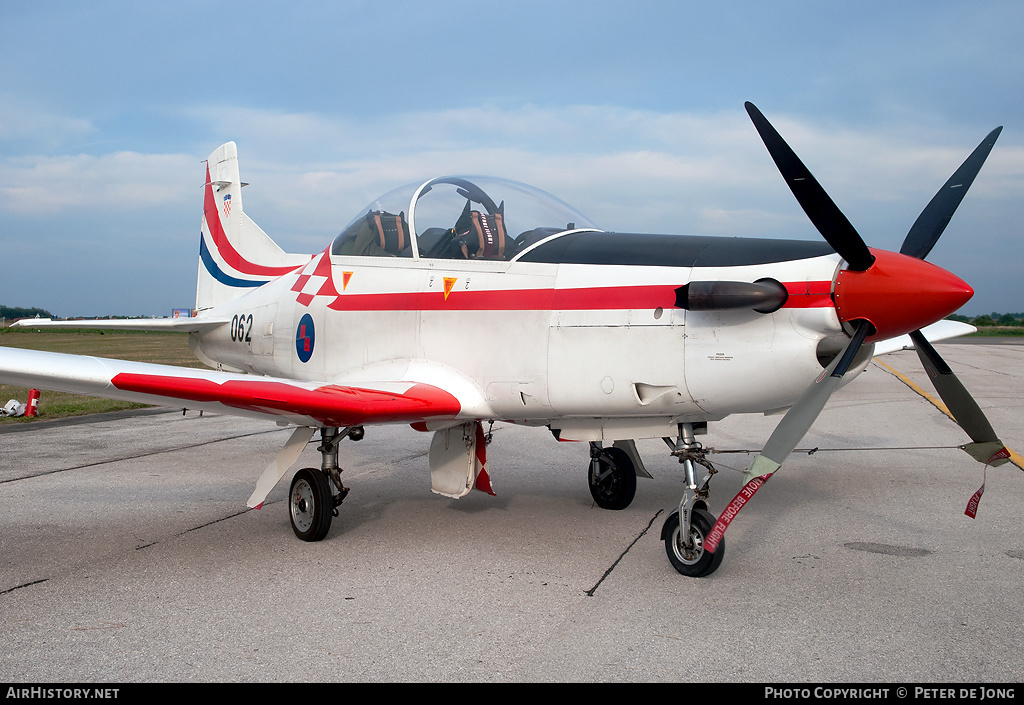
(127, 554)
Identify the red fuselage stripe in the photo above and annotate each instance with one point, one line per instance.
(808, 294)
(801, 295)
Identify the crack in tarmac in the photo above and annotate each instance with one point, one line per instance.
(139, 455)
(591, 591)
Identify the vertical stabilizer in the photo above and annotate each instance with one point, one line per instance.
(235, 255)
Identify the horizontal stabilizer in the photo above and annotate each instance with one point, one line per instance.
(181, 325)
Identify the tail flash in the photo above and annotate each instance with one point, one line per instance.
(235, 255)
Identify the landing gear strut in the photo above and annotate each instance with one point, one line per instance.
(686, 529)
(316, 494)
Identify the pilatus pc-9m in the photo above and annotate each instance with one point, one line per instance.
(460, 301)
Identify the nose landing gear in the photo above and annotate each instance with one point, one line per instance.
(686, 529)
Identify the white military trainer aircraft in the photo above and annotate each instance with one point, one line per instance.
(462, 301)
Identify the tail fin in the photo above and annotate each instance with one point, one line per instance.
(235, 255)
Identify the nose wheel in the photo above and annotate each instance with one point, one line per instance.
(687, 554)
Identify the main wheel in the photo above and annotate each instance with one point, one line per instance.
(309, 504)
(694, 562)
(613, 485)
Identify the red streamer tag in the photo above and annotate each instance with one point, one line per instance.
(972, 505)
(1002, 453)
(714, 536)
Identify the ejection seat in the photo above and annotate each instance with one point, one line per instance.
(481, 235)
(377, 234)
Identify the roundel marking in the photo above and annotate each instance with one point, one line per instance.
(305, 337)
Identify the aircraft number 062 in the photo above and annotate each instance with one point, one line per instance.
(241, 328)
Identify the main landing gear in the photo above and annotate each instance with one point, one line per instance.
(316, 494)
(612, 477)
(686, 529)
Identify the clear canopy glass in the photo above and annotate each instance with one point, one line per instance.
(469, 217)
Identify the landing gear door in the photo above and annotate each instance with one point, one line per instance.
(457, 458)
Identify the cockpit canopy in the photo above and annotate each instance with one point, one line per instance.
(457, 217)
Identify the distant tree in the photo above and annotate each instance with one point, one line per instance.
(958, 317)
(15, 312)
(984, 320)
(1007, 319)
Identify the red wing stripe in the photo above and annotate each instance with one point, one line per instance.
(227, 251)
(330, 405)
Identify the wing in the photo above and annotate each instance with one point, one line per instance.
(286, 400)
(940, 330)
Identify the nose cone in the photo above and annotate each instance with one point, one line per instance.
(899, 294)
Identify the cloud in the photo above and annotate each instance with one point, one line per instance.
(23, 124)
(123, 181)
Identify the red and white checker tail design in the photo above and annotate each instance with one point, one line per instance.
(315, 279)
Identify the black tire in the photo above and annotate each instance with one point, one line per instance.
(309, 504)
(698, 563)
(616, 489)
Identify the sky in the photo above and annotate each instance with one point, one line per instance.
(632, 112)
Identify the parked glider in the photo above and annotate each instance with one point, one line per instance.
(463, 300)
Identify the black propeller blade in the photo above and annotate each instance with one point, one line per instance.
(918, 243)
(937, 214)
(960, 403)
(823, 212)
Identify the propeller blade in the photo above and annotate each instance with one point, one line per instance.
(789, 432)
(960, 403)
(936, 216)
(823, 212)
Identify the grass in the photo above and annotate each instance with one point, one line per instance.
(989, 331)
(162, 348)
